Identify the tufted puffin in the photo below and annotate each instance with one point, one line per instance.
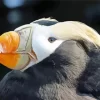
(51, 60)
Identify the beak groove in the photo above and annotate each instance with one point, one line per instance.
(16, 48)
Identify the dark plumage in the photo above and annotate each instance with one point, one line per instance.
(51, 79)
(46, 23)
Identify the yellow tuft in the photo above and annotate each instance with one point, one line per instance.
(77, 31)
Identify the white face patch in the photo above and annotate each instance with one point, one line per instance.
(40, 44)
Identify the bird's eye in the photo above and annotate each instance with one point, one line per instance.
(52, 39)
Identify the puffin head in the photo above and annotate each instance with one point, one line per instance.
(30, 44)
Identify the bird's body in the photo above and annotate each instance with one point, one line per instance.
(55, 78)
(71, 72)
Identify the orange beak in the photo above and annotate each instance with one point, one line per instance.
(9, 43)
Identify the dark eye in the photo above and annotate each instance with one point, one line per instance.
(52, 39)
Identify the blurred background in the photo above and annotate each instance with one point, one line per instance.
(14, 13)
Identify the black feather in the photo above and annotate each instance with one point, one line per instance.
(45, 22)
(43, 80)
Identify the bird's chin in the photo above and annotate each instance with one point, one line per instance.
(31, 63)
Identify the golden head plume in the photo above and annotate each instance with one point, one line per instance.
(76, 30)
